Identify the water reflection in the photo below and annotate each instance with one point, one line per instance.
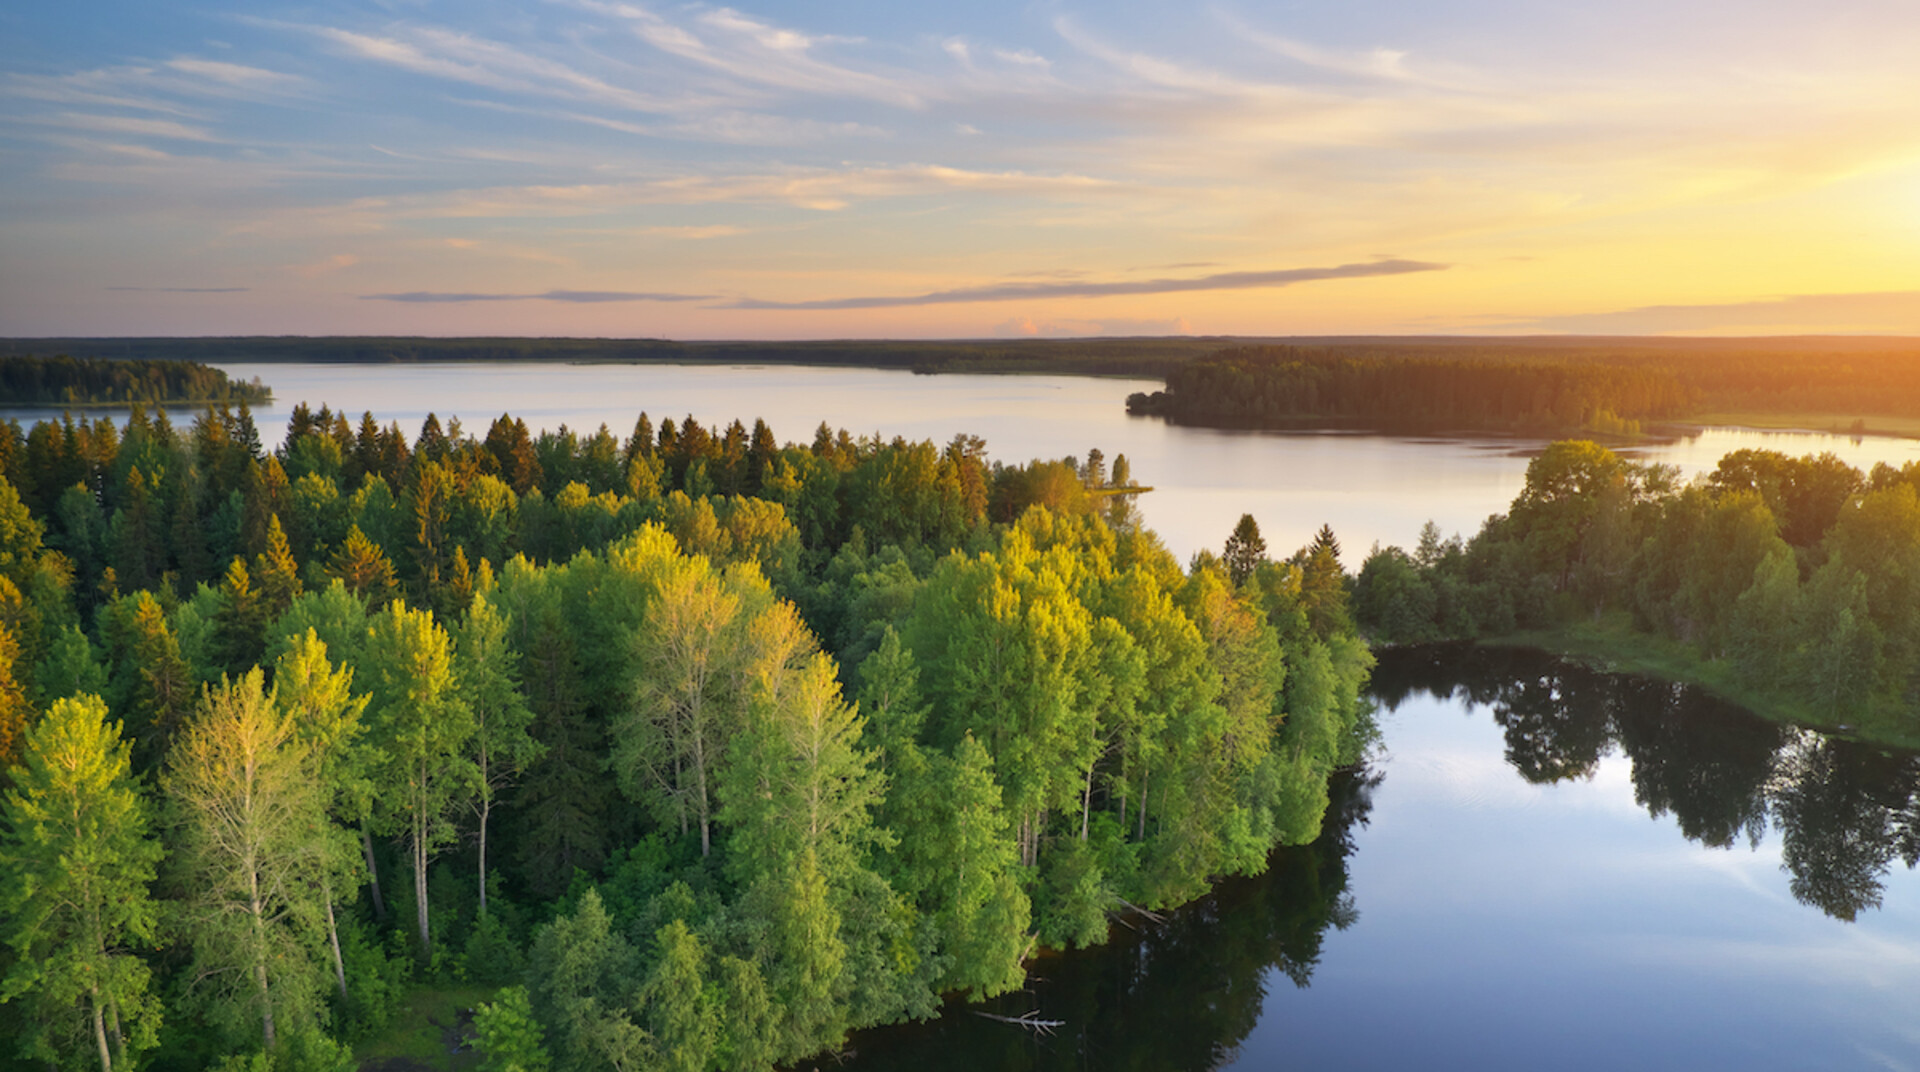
(1180, 993)
(1844, 810)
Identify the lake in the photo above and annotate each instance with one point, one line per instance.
(1368, 487)
(1545, 867)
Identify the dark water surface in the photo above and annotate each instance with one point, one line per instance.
(1546, 868)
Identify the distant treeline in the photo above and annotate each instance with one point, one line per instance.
(1537, 385)
(26, 380)
(1796, 580)
(1146, 357)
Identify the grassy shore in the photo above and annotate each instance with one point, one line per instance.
(1612, 644)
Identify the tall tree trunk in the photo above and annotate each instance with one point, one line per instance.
(1143, 807)
(420, 885)
(373, 873)
(1086, 802)
(114, 1032)
(333, 938)
(486, 808)
(260, 957)
(100, 1031)
(700, 785)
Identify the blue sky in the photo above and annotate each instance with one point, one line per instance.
(860, 169)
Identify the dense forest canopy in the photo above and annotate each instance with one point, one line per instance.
(1796, 579)
(685, 749)
(26, 380)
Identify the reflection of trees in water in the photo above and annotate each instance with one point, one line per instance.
(1844, 810)
(1182, 993)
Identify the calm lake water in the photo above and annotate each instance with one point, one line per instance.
(1546, 868)
(1368, 487)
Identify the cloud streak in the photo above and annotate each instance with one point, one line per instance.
(1888, 312)
(1038, 291)
(184, 290)
(582, 297)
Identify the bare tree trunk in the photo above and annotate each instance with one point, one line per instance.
(1143, 807)
(333, 939)
(700, 785)
(420, 886)
(1086, 802)
(486, 808)
(100, 1031)
(259, 957)
(373, 873)
(114, 1033)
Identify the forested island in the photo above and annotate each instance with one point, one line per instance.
(1537, 386)
(26, 380)
(1789, 584)
(686, 750)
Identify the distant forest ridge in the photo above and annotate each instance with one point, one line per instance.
(28, 380)
(1145, 356)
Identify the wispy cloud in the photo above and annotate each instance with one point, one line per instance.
(185, 290)
(237, 75)
(1011, 291)
(1878, 312)
(761, 54)
(586, 297)
(1019, 326)
(478, 61)
(123, 124)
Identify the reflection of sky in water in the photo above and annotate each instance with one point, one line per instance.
(1506, 925)
(1369, 488)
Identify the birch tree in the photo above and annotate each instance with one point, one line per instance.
(248, 811)
(75, 866)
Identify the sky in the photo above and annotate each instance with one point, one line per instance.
(846, 169)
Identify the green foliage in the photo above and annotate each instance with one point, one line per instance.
(252, 844)
(75, 867)
(624, 716)
(510, 1038)
(1801, 573)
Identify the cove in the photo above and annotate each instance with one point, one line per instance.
(1544, 866)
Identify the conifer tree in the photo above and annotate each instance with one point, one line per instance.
(367, 573)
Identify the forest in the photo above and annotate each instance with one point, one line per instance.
(1792, 582)
(1609, 387)
(686, 750)
(26, 380)
(1148, 357)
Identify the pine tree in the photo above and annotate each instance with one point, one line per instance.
(367, 573)
(1245, 549)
